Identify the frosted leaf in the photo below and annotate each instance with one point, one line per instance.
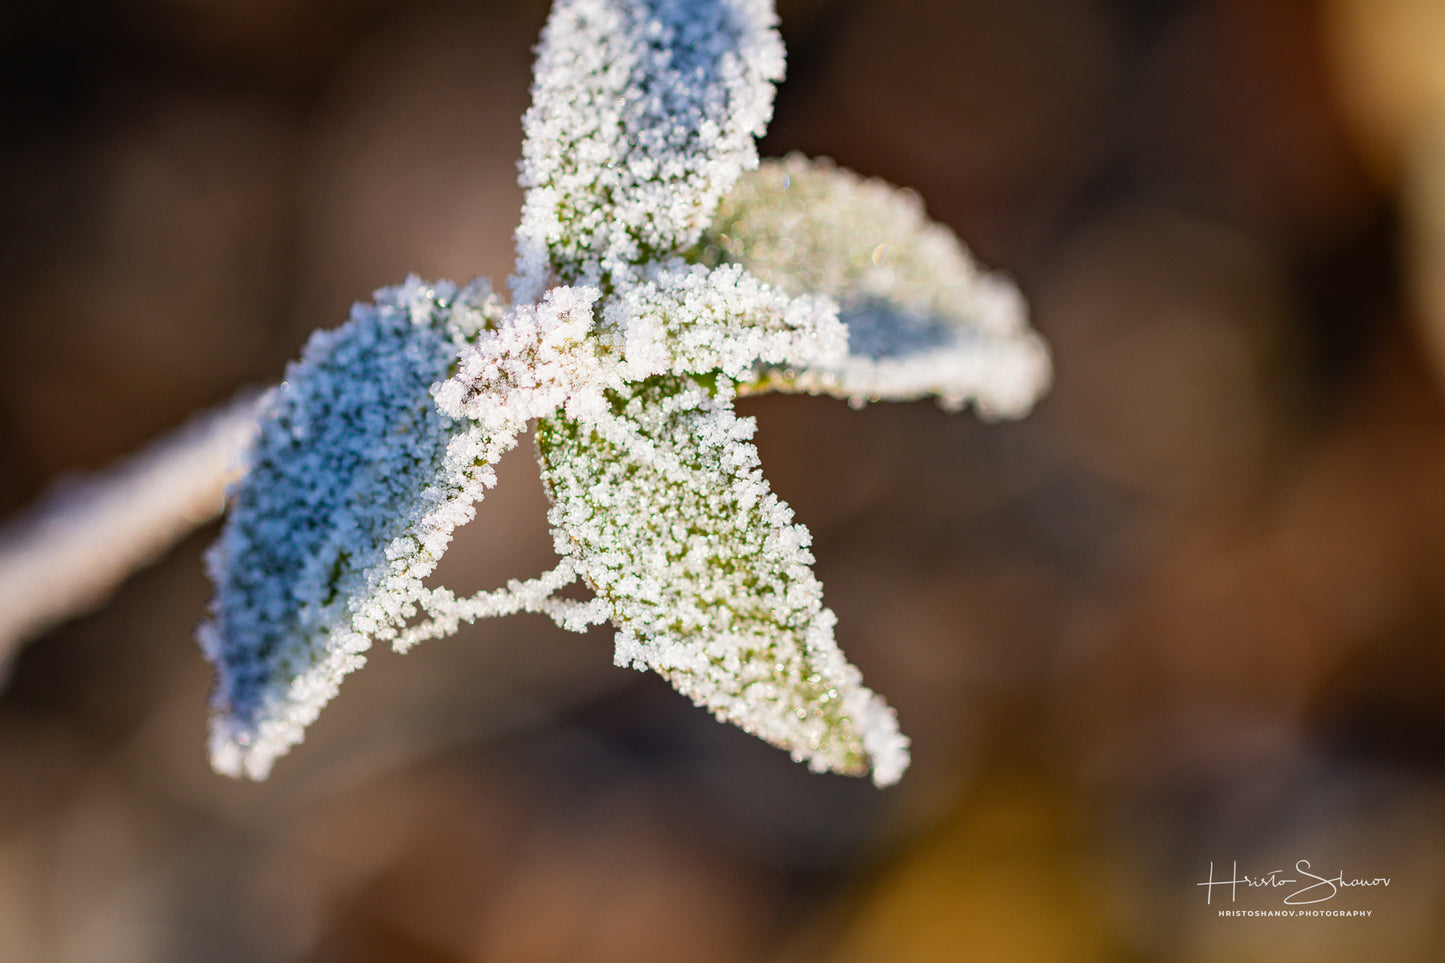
(354, 485)
(634, 324)
(660, 506)
(644, 113)
(922, 318)
(685, 319)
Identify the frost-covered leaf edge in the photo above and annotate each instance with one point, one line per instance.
(332, 607)
(923, 318)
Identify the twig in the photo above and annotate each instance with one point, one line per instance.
(66, 553)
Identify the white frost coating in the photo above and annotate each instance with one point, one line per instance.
(922, 318)
(537, 359)
(660, 506)
(629, 356)
(644, 113)
(353, 487)
(684, 319)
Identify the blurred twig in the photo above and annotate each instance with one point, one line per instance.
(65, 554)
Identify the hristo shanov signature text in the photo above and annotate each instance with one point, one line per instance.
(1317, 889)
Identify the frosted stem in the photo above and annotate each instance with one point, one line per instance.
(65, 554)
(519, 595)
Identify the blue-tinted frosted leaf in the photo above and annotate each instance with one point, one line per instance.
(922, 318)
(354, 485)
(644, 113)
(660, 506)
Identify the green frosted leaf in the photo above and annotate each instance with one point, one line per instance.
(923, 319)
(659, 505)
(644, 113)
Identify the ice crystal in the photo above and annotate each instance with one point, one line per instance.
(685, 319)
(656, 279)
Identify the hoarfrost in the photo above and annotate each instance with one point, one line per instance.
(652, 286)
(352, 489)
(644, 113)
(923, 319)
(685, 319)
(661, 507)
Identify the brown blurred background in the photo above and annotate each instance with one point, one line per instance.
(1191, 610)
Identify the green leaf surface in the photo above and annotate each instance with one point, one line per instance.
(660, 506)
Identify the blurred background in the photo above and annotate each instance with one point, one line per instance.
(1190, 611)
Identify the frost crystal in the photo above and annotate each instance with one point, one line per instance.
(685, 319)
(655, 281)
(538, 358)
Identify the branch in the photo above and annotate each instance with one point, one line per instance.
(65, 554)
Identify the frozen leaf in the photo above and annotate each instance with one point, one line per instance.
(922, 318)
(644, 113)
(660, 506)
(630, 336)
(354, 485)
